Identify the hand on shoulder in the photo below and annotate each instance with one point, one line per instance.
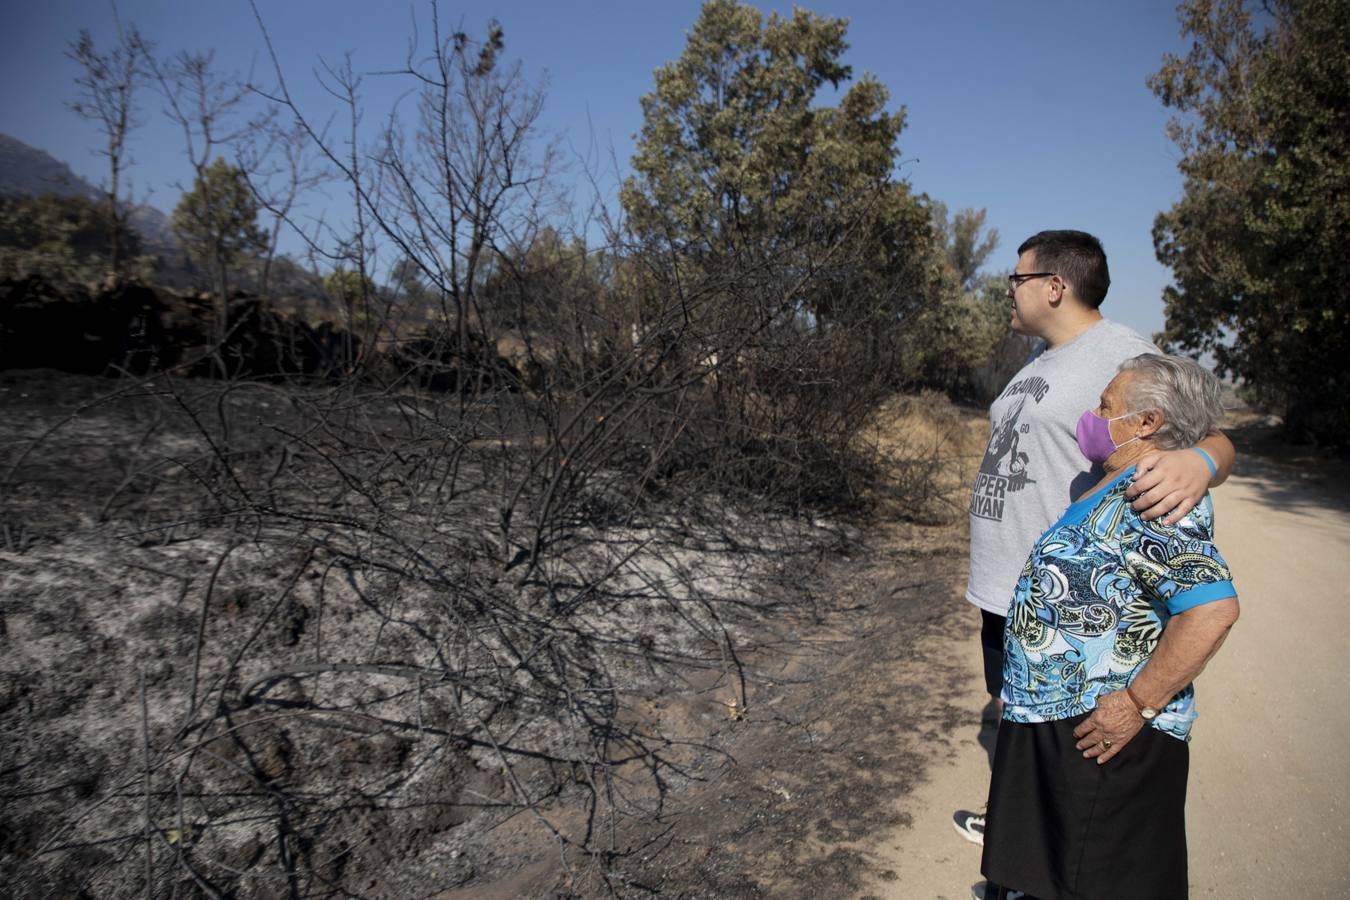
(1168, 484)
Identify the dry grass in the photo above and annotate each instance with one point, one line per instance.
(928, 449)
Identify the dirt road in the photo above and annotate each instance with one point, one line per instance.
(1268, 811)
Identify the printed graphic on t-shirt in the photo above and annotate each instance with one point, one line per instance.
(1006, 468)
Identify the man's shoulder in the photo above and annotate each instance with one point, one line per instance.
(1097, 352)
(1112, 337)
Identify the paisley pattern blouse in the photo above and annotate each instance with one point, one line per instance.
(1094, 598)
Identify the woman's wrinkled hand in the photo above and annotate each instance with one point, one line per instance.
(1168, 484)
(1111, 726)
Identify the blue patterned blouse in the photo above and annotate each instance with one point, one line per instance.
(1094, 597)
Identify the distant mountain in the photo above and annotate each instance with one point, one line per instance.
(154, 227)
(27, 171)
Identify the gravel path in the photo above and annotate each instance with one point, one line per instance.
(1269, 804)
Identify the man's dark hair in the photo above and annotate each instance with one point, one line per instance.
(1075, 256)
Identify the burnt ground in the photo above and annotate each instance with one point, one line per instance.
(821, 765)
(839, 729)
(769, 773)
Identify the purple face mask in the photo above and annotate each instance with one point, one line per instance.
(1094, 436)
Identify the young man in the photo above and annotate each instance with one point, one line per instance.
(1032, 468)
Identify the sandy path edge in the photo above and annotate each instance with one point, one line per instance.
(1269, 798)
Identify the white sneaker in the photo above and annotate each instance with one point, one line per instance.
(970, 825)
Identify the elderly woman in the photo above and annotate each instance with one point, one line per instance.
(1112, 619)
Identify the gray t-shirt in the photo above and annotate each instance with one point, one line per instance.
(1033, 468)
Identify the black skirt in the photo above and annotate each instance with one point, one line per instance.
(1061, 827)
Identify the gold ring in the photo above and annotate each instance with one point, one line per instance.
(1106, 745)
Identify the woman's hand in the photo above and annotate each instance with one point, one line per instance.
(1168, 483)
(1111, 726)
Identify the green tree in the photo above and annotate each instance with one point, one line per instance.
(347, 285)
(217, 223)
(414, 301)
(738, 167)
(1257, 243)
(64, 238)
(405, 278)
(966, 336)
(353, 293)
(967, 251)
(784, 273)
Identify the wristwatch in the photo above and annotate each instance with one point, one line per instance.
(1148, 712)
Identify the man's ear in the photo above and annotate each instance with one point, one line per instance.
(1056, 287)
(1059, 288)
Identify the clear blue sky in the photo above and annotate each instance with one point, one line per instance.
(1036, 111)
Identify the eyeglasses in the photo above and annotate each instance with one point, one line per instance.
(1015, 280)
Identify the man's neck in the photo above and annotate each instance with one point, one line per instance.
(1069, 325)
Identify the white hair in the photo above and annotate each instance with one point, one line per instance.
(1185, 392)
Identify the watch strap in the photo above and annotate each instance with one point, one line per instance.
(1143, 708)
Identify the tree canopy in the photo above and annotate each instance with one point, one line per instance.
(66, 238)
(217, 220)
(738, 164)
(1257, 243)
(736, 155)
(967, 251)
(725, 153)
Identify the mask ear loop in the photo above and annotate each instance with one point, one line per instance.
(1125, 416)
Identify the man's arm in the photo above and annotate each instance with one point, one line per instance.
(1188, 642)
(1168, 483)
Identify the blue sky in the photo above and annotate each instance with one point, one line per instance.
(1037, 111)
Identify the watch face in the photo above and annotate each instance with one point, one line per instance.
(1149, 713)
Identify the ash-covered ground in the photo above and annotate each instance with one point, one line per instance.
(263, 642)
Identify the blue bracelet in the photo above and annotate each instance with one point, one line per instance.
(1213, 469)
